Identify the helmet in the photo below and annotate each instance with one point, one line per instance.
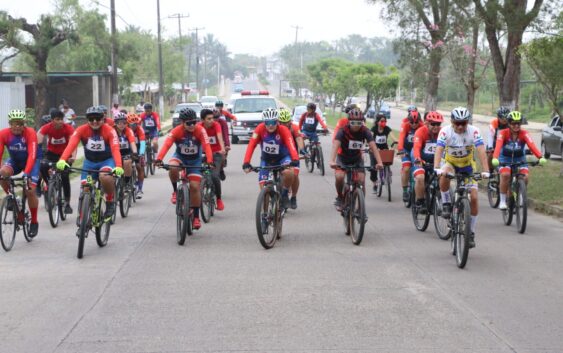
(312, 106)
(460, 114)
(46, 119)
(412, 108)
(502, 112)
(119, 117)
(350, 107)
(16, 114)
(285, 116)
(414, 117)
(219, 103)
(55, 113)
(356, 114)
(147, 106)
(133, 119)
(103, 108)
(270, 114)
(95, 111)
(434, 117)
(514, 116)
(187, 114)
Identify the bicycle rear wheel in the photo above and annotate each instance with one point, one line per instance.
(267, 210)
(84, 223)
(357, 216)
(508, 214)
(8, 223)
(52, 203)
(493, 192)
(102, 230)
(462, 232)
(388, 178)
(320, 160)
(521, 206)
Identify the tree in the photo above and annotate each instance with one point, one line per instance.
(379, 82)
(511, 15)
(324, 74)
(44, 36)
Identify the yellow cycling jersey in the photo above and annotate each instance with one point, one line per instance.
(459, 148)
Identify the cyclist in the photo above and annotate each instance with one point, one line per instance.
(347, 150)
(101, 152)
(425, 140)
(381, 133)
(59, 135)
(225, 131)
(509, 148)
(134, 122)
(309, 121)
(215, 135)
(496, 125)
(21, 142)
(127, 145)
(225, 114)
(285, 120)
(151, 125)
(191, 140)
(277, 149)
(410, 108)
(406, 136)
(459, 141)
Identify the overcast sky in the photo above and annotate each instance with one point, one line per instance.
(258, 27)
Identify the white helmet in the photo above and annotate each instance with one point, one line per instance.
(461, 114)
(270, 114)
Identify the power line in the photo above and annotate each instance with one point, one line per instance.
(96, 2)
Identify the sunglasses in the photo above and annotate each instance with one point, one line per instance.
(516, 123)
(95, 118)
(16, 123)
(356, 123)
(190, 123)
(270, 123)
(460, 123)
(435, 124)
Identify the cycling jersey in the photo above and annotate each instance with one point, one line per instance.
(510, 149)
(308, 123)
(150, 122)
(225, 114)
(381, 137)
(494, 128)
(459, 148)
(352, 143)
(58, 138)
(339, 125)
(213, 135)
(224, 131)
(99, 145)
(139, 134)
(275, 146)
(406, 136)
(126, 138)
(424, 144)
(21, 148)
(189, 145)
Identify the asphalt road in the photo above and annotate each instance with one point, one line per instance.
(399, 291)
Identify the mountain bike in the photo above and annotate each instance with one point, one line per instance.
(208, 197)
(269, 210)
(149, 157)
(14, 215)
(385, 175)
(493, 193)
(125, 193)
(431, 192)
(54, 197)
(314, 156)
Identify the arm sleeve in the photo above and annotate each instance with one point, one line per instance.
(31, 138)
(157, 119)
(225, 131)
(1, 145)
(168, 142)
(402, 136)
(229, 115)
(130, 136)
(72, 144)
(288, 141)
(491, 136)
(531, 145)
(418, 141)
(301, 120)
(320, 120)
(500, 143)
(254, 140)
(113, 141)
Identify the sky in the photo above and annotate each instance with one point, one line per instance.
(258, 27)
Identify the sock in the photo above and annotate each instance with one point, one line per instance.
(196, 212)
(109, 197)
(446, 197)
(174, 186)
(405, 188)
(33, 214)
(285, 192)
(140, 184)
(503, 198)
(473, 223)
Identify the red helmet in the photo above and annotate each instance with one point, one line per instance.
(434, 117)
(414, 117)
(355, 114)
(133, 118)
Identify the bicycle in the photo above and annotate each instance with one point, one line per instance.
(431, 193)
(269, 211)
(184, 213)
(149, 157)
(517, 201)
(208, 197)
(353, 210)
(14, 215)
(314, 155)
(493, 193)
(459, 222)
(407, 203)
(91, 209)
(125, 192)
(54, 198)
(385, 174)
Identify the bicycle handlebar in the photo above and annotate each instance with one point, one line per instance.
(271, 168)
(181, 166)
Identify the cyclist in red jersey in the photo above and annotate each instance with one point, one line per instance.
(134, 123)
(285, 120)
(127, 145)
(151, 124)
(58, 134)
(227, 141)
(406, 137)
(21, 142)
(101, 152)
(224, 113)
(191, 140)
(215, 135)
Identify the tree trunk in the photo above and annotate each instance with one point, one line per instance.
(40, 83)
(511, 81)
(471, 86)
(368, 102)
(433, 79)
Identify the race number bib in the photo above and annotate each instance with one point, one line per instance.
(96, 145)
(123, 145)
(212, 140)
(410, 138)
(380, 140)
(189, 150)
(430, 148)
(309, 121)
(458, 152)
(271, 148)
(60, 141)
(149, 122)
(355, 145)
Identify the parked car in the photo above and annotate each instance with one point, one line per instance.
(552, 138)
(197, 107)
(300, 109)
(208, 101)
(384, 109)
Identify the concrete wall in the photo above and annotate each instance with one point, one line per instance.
(12, 96)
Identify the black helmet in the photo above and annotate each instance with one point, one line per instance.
(103, 108)
(187, 114)
(95, 111)
(54, 113)
(502, 112)
(219, 103)
(147, 106)
(312, 106)
(45, 119)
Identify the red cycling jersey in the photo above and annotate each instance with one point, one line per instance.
(139, 134)
(16, 148)
(505, 136)
(58, 138)
(422, 138)
(99, 145)
(147, 123)
(405, 134)
(179, 134)
(226, 114)
(214, 133)
(312, 123)
(281, 135)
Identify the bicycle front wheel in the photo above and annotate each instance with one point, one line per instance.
(310, 162)
(206, 200)
(493, 192)
(84, 223)
(267, 209)
(441, 224)
(357, 216)
(151, 165)
(521, 206)
(124, 200)
(320, 160)
(8, 223)
(462, 232)
(508, 214)
(388, 181)
(61, 201)
(420, 220)
(102, 229)
(182, 214)
(148, 161)
(53, 203)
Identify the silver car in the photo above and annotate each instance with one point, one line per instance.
(300, 109)
(176, 112)
(552, 138)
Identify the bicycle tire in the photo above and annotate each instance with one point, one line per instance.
(320, 160)
(7, 219)
(133, 183)
(388, 179)
(189, 213)
(380, 181)
(148, 160)
(26, 222)
(180, 218)
(311, 165)
(463, 232)
(268, 207)
(61, 200)
(151, 165)
(102, 230)
(357, 213)
(84, 217)
(521, 207)
(345, 213)
(493, 192)
(124, 200)
(508, 214)
(422, 223)
(52, 203)
(205, 208)
(441, 225)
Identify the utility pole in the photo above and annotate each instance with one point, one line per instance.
(160, 75)
(114, 88)
(197, 29)
(179, 17)
(297, 28)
